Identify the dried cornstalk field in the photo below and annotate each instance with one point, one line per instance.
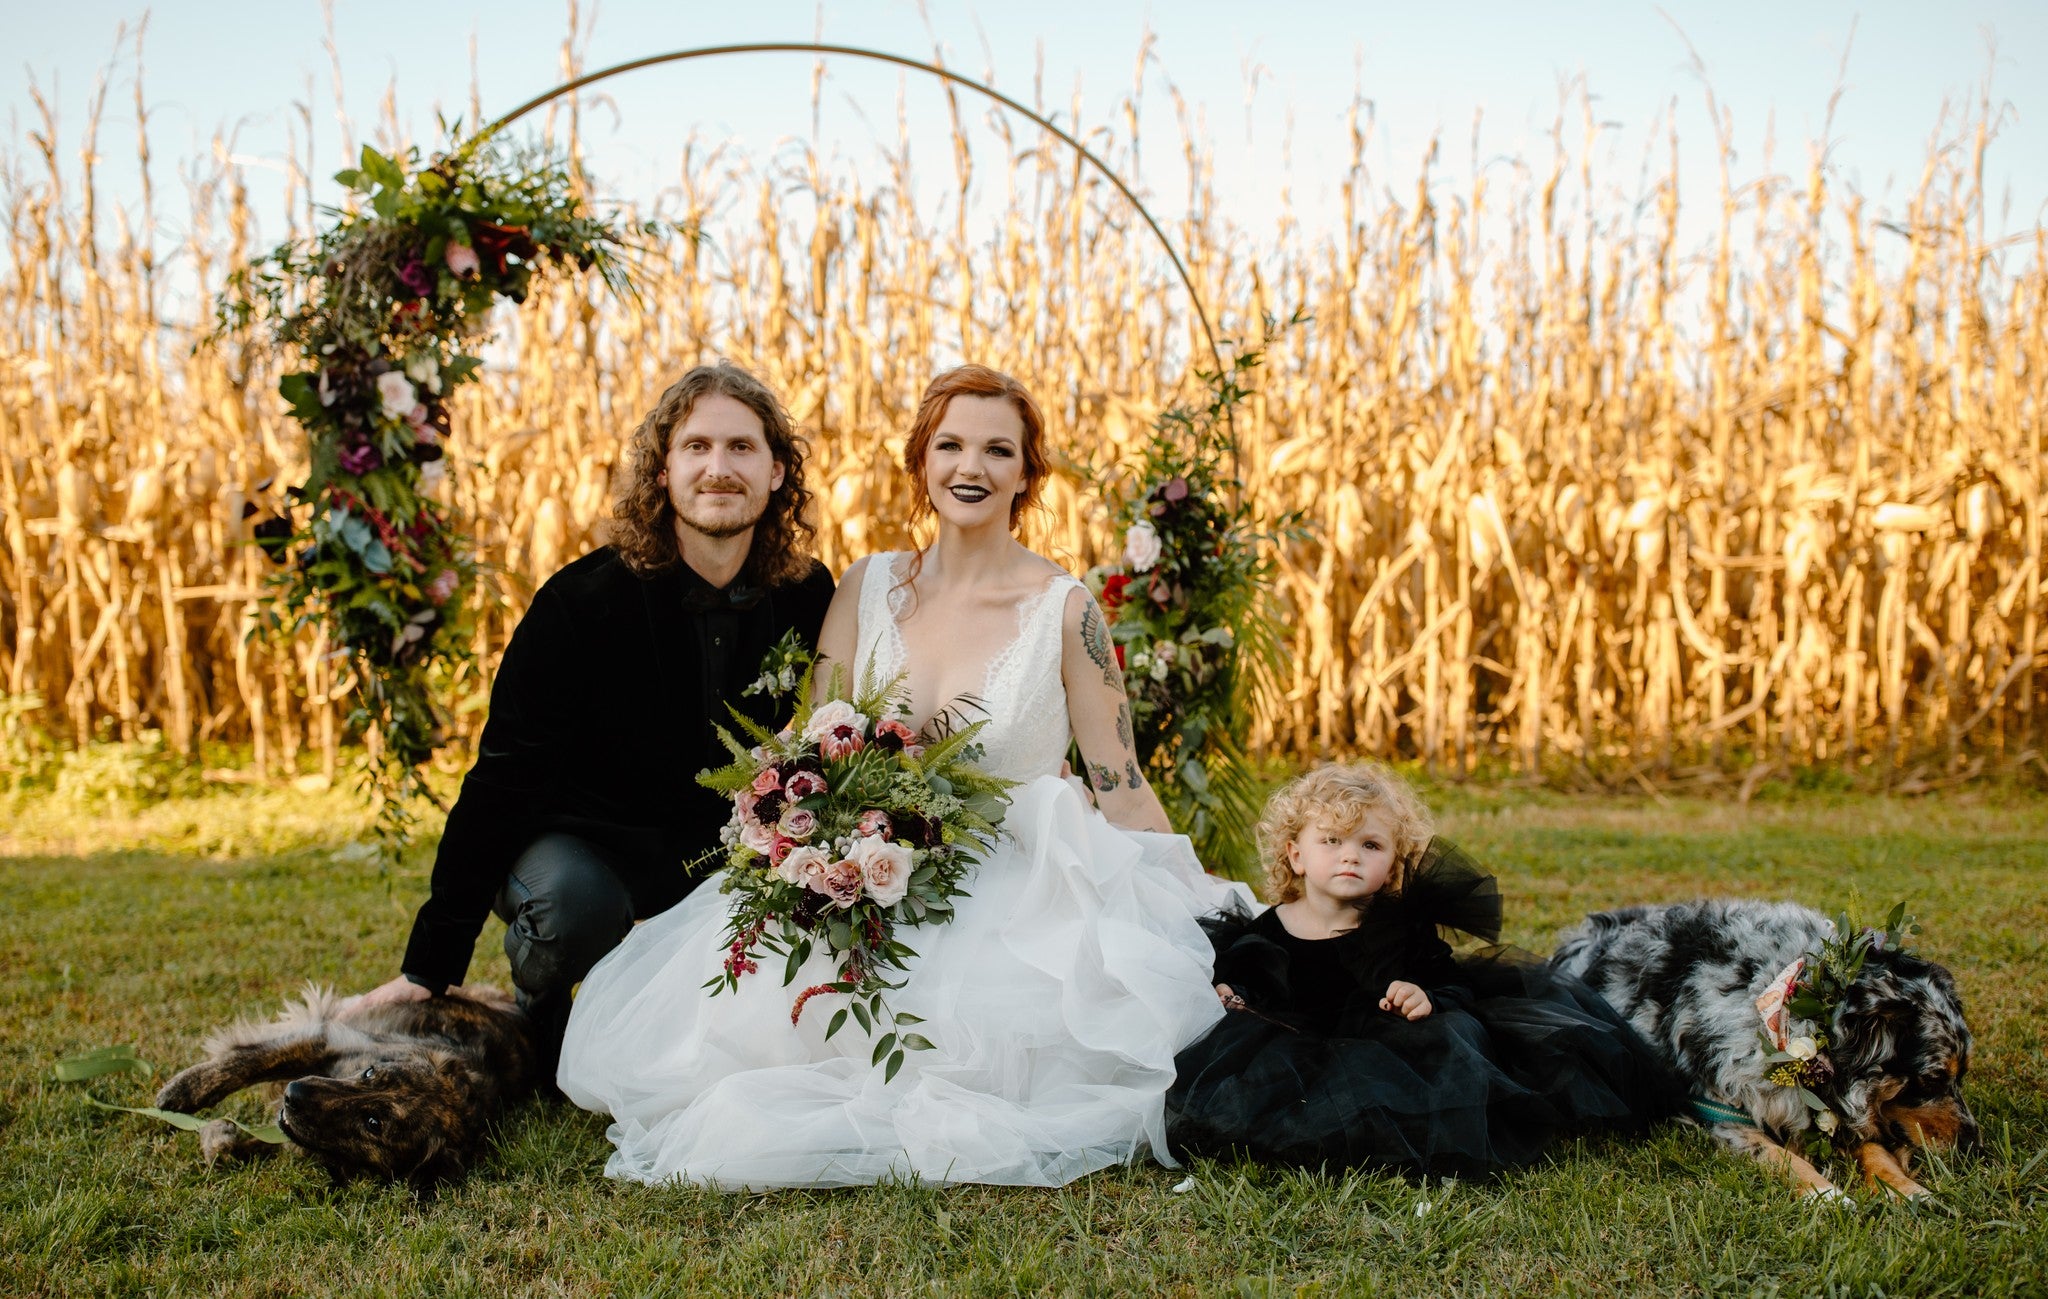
(1580, 499)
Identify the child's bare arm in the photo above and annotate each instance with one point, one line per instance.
(1406, 1000)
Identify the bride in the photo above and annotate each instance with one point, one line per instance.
(1074, 970)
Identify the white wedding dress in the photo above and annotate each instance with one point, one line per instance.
(1055, 1000)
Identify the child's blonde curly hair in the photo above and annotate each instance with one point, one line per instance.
(1341, 794)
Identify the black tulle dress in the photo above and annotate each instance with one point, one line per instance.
(1512, 1057)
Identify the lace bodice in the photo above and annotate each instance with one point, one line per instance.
(1025, 699)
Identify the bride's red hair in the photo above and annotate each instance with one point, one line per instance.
(975, 381)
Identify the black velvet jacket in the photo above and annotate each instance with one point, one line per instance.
(601, 718)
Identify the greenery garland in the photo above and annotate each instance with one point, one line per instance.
(1186, 602)
(381, 311)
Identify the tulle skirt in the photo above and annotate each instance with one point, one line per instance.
(1055, 1001)
(1515, 1059)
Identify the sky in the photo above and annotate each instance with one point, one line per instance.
(1268, 85)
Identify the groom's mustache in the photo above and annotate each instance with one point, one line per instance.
(722, 485)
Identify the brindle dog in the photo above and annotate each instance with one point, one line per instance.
(400, 1092)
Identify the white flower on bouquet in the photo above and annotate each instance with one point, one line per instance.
(802, 864)
(395, 394)
(829, 717)
(884, 868)
(1801, 1048)
(1141, 547)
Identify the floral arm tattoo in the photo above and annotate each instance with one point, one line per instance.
(1103, 778)
(1095, 636)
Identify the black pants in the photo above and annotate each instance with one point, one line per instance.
(566, 904)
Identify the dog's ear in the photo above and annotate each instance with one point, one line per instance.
(441, 1165)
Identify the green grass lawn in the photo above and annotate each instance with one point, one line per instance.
(153, 926)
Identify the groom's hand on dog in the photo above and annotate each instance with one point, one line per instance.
(400, 989)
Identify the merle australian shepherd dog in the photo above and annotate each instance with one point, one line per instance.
(401, 1092)
(1688, 976)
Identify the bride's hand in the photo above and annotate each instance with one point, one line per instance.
(1230, 1000)
(1406, 1000)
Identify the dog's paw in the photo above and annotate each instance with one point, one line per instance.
(183, 1094)
(1830, 1196)
(218, 1140)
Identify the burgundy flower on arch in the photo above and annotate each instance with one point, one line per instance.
(493, 243)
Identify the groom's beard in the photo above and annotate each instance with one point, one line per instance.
(720, 516)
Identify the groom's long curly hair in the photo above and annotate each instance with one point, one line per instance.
(642, 528)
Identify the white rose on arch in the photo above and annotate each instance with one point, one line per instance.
(884, 868)
(1142, 547)
(395, 394)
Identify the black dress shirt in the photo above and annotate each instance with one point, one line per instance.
(601, 718)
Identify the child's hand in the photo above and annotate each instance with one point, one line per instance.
(1230, 1000)
(1406, 1000)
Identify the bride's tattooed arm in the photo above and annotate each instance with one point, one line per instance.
(1100, 713)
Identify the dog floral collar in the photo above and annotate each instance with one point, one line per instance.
(1812, 989)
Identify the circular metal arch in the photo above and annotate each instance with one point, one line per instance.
(852, 51)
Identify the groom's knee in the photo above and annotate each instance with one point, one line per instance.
(564, 907)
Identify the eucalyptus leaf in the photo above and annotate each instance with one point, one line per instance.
(100, 1063)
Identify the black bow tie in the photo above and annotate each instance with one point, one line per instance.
(703, 599)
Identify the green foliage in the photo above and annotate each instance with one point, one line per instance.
(1190, 618)
(384, 310)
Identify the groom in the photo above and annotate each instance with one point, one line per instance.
(583, 805)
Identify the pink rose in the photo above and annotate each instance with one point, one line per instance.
(803, 865)
(884, 869)
(798, 824)
(804, 784)
(462, 259)
(442, 585)
(840, 881)
(779, 851)
(760, 838)
(892, 734)
(767, 782)
(874, 822)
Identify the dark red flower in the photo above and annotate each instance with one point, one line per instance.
(360, 459)
(493, 243)
(1114, 591)
(1119, 654)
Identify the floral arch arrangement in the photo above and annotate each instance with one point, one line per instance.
(385, 312)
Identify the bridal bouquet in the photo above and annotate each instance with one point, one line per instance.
(846, 826)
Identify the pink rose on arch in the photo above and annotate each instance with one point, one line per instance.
(767, 782)
(804, 865)
(798, 824)
(442, 585)
(884, 869)
(840, 881)
(874, 822)
(462, 259)
(805, 784)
